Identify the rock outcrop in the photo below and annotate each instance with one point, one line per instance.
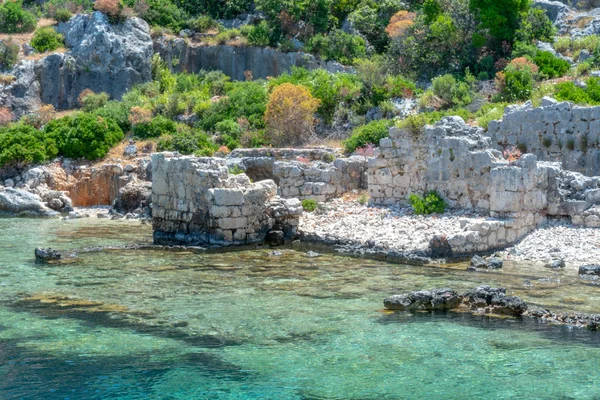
(20, 203)
(483, 299)
(46, 254)
(234, 61)
(102, 56)
(135, 197)
(196, 202)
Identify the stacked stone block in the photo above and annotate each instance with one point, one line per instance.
(196, 201)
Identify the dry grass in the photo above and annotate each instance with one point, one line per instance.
(22, 38)
(116, 153)
(39, 56)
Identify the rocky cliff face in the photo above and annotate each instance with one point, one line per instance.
(235, 60)
(102, 57)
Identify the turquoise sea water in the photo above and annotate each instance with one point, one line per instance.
(250, 325)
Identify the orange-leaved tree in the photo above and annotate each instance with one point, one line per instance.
(399, 23)
(290, 115)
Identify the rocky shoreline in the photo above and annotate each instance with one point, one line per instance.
(485, 300)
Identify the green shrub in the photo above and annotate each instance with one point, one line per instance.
(369, 133)
(22, 144)
(62, 15)
(259, 34)
(84, 135)
(187, 141)
(14, 19)
(535, 25)
(568, 91)
(92, 101)
(562, 44)
(338, 46)
(202, 23)
(523, 49)
(488, 114)
(516, 81)
(431, 203)
(165, 14)
(454, 93)
(414, 123)
(117, 111)
(158, 126)
(46, 39)
(9, 54)
(550, 65)
(309, 205)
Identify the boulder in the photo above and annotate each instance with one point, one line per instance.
(554, 264)
(589, 269)
(437, 299)
(17, 202)
(136, 195)
(478, 262)
(493, 300)
(103, 57)
(494, 263)
(47, 254)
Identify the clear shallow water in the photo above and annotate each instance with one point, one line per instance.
(245, 325)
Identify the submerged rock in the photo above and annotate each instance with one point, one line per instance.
(17, 202)
(593, 269)
(47, 254)
(438, 299)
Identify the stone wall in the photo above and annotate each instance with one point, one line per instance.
(307, 179)
(234, 61)
(553, 132)
(320, 181)
(457, 161)
(196, 201)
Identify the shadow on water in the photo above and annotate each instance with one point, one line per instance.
(558, 333)
(36, 375)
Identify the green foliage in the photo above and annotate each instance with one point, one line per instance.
(562, 44)
(454, 93)
(338, 46)
(550, 65)
(9, 54)
(370, 19)
(164, 13)
(568, 91)
(369, 133)
(84, 135)
(414, 123)
(523, 49)
(117, 111)
(22, 144)
(215, 8)
(490, 112)
(316, 13)
(202, 23)
(499, 17)
(63, 15)
(535, 25)
(156, 127)
(259, 34)
(331, 89)
(187, 140)
(309, 205)
(93, 101)
(431, 203)
(517, 82)
(47, 39)
(14, 19)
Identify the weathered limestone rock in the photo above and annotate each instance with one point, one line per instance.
(17, 202)
(589, 270)
(46, 254)
(134, 197)
(438, 299)
(555, 264)
(493, 300)
(234, 61)
(197, 201)
(23, 95)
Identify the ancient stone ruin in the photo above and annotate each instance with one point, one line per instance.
(196, 201)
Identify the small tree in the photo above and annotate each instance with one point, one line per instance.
(46, 39)
(9, 54)
(290, 115)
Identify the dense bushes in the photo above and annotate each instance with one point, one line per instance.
(551, 66)
(23, 144)
(370, 133)
(84, 135)
(338, 46)
(568, 91)
(516, 81)
(46, 39)
(187, 141)
(156, 127)
(453, 93)
(13, 19)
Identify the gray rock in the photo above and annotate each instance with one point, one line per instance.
(47, 254)
(103, 57)
(136, 195)
(478, 262)
(584, 55)
(495, 263)
(494, 300)
(18, 202)
(593, 269)
(438, 299)
(555, 264)
(130, 150)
